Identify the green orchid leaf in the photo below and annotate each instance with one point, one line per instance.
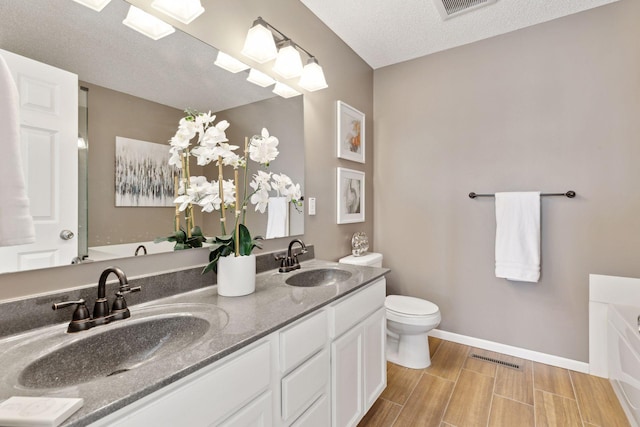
(224, 239)
(245, 243)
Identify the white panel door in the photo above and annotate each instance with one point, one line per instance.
(49, 148)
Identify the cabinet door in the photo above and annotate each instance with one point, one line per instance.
(375, 364)
(346, 379)
(257, 414)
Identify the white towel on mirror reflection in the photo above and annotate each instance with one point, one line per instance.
(277, 217)
(518, 236)
(16, 223)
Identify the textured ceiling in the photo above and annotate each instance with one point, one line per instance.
(385, 32)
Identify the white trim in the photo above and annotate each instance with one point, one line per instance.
(536, 356)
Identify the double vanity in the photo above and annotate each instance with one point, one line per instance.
(306, 349)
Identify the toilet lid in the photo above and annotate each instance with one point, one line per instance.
(410, 305)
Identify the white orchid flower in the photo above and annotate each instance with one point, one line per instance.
(261, 199)
(176, 157)
(280, 183)
(184, 201)
(263, 149)
(294, 193)
(224, 150)
(215, 134)
(261, 181)
(204, 119)
(233, 160)
(179, 141)
(203, 155)
(211, 201)
(187, 129)
(229, 190)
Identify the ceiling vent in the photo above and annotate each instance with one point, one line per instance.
(451, 8)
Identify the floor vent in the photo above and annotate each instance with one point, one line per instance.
(450, 8)
(496, 361)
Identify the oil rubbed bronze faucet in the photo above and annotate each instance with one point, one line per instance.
(290, 262)
(81, 320)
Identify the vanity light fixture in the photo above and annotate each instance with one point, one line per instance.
(96, 5)
(285, 91)
(288, 63)
(230, 63)
(261, 45)
(147, 24)
(259, 78)
(184, 11)
(312, 76)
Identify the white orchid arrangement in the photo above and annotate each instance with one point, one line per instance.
(197, 136)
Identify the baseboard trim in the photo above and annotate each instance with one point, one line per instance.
(536, 356)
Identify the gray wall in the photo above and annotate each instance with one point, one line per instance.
(224, 25)
(113, 114)
(553, 107)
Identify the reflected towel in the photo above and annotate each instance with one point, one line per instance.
(16, 223)
(518, 236)
(277, 217)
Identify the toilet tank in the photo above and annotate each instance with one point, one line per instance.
(371, 259)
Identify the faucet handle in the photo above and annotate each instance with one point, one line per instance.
(127, 289)
(81, 312)
(64, 304)
(81, 320)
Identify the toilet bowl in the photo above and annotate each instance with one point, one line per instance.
(409, 320)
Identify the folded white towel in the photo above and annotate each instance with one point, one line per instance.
(277, 217)
(16, 223)
(518, 236)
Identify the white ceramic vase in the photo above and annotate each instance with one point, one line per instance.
(236, 275)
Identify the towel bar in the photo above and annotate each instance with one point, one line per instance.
(570, 194)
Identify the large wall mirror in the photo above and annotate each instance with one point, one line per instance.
(132, 87)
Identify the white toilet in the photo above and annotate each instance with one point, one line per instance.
(409, 320)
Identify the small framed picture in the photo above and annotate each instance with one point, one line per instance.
(351, 143)
(350, 196)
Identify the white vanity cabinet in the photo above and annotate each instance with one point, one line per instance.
(325, 369)
(238, 388)
(358, 363)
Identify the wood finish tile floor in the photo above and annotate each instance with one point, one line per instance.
(460, 391)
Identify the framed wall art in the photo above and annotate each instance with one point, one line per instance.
(143, 174)
(350, 138)
(351, 188)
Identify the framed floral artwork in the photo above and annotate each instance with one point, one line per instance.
(351, 142)
(350, 196)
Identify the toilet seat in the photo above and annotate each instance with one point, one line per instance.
(409, 306)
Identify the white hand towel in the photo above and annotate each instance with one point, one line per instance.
(277, 217)
(16, 223)
(518, 236)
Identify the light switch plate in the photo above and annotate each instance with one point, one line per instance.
(312, 205)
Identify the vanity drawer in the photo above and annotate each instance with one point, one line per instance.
(353, 308)
(302, 386)
(303, 339)
(205, 397)
(319, 415)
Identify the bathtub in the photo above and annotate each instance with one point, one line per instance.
(623, 355)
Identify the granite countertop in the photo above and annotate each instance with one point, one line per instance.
(237, 322)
